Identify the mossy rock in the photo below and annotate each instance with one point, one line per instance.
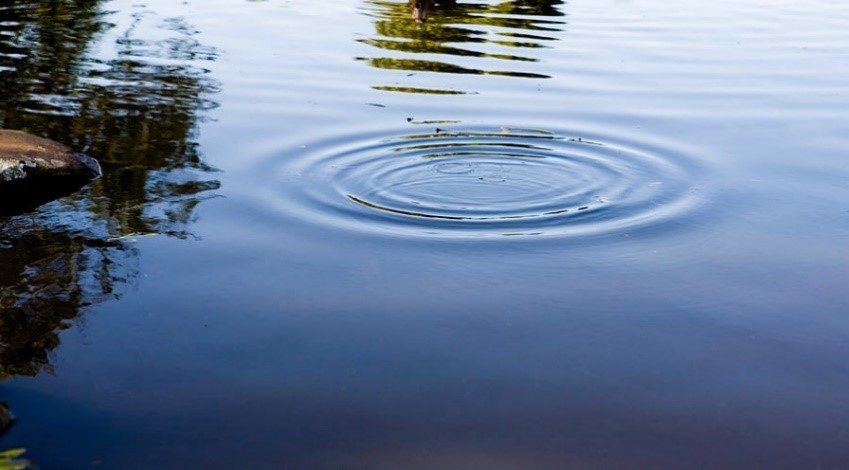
(35, 170)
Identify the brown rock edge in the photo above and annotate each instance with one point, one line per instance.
(6, 418)
(35, 170)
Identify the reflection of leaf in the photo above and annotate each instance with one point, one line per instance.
(9, 460)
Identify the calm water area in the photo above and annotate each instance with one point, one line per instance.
(521, 234)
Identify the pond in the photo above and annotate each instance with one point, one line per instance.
(519, 234)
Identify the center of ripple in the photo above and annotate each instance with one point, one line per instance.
(467, 187)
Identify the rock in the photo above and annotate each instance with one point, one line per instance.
(24, 156)
(34, 170)
(6, 418)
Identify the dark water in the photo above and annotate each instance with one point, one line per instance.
(523, 234)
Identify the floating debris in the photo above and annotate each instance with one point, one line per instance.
(580, 140)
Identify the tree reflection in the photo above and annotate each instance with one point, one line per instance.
(135, 108)
(500, 33)
(48, 278)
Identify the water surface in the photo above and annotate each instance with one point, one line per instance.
(521, 234)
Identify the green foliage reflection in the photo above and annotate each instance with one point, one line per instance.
(492, 35)
(10, 460)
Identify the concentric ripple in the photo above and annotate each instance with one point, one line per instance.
(463, 181)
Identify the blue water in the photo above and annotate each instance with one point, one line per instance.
(518, 235)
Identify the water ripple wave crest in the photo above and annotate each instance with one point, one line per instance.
(486, 181)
